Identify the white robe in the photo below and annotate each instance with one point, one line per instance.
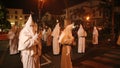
(29, 45)
(55, 34)
(30, 52)
(13, 40)
(81, 39)
(95, 36)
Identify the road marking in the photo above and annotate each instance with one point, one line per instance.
(48, 61)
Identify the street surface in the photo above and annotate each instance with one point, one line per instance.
(101, 56)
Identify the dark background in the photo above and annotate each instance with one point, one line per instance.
(53, 6)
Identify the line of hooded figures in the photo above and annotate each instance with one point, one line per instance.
(29, 42)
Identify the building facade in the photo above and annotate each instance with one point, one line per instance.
(16, 16)
(98, 12)
(104, 14)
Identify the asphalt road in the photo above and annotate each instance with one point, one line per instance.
(101, 56)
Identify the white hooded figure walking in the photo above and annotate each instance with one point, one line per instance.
(55, 34)
(95, 36)
(30, 45)
(81, 39)
(13, 35)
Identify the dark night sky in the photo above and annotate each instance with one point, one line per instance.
(24, 4)
(53, 6)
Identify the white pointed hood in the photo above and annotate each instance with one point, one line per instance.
(81, 31)
(28, 25)
(26, 33)
(56, 30)
(95, 31)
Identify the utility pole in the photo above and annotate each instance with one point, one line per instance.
(39, 9)
(67, 20)
(113, 34)
(40, 6)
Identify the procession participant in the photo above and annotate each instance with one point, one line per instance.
(55, 34)
(95, 36)
(81, 39)
(13, 35)
(66, 39)
(30, 45)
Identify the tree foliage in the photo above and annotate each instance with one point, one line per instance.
(4, 23)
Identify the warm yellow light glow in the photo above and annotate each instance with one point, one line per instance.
(87, 18)
(57, 20)
(40, 0)
(12, 23)
(20, 18)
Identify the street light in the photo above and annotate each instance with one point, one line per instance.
(87, 18)
(113, 35)
(112, 15)
(57, 21)
(87, 21)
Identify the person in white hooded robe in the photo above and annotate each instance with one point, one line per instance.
(55, 34)
(29, 45)
(95, 36)
(13, 35)
(81, 39)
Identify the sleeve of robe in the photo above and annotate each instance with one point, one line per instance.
(26, 41)
(11, 35)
